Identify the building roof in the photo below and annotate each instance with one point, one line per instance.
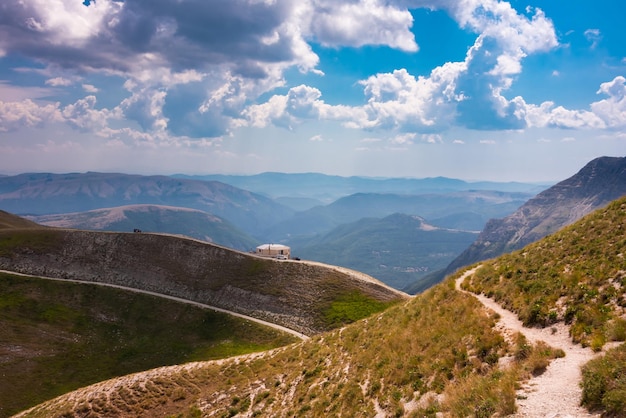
(272, 246)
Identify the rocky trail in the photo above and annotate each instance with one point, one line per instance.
(556, 392)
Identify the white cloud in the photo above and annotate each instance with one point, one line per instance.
(59, 81)
(85, 117)
(90, 88)
(613, 109)
(594, 37)
(403, 139)
(549, 115)
(26, 113)
(361, 22)
(432, 138)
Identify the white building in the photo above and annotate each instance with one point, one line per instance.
(274, 251)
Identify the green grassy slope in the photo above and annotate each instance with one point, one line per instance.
(435, 353)
(58, 336)
(577, 275)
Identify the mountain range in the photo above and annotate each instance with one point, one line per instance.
(469, 209)
(155, 218)
(340, 232)
(45, 193)
(226, 215)
(594, 186)
(323, 189)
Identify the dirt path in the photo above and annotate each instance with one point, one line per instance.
(174, 298)
(556, 392)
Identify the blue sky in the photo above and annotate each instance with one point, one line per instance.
(472, 89)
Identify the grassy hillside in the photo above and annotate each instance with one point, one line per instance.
(10, 221)
(577, 275)
(58, 336)
(402, 359)
(438, 352)
(293, 294)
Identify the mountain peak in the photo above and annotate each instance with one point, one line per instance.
(599, 182)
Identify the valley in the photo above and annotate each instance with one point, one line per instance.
(507, 336)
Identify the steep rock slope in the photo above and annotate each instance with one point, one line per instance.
(292, 294)
(594, 186)
(155, 218)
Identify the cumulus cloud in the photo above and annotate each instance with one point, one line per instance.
(613, 109)
(59, 81)
(197, 69)
(90, 88)
(15, 115)
(470, 92)
(361, 22)
(300, 103)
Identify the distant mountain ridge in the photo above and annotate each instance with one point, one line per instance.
(435, 206)
(45, 193)
(155, 218)
(397, 249)
(598, 183)
(327, 188)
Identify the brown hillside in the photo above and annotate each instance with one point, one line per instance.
(293, 294)
(10, 221)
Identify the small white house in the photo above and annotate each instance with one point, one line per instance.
(274, 251)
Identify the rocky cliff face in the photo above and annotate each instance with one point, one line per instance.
(594, 186)
(292, 294)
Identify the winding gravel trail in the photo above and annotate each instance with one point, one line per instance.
(174, 298)
(556, 392)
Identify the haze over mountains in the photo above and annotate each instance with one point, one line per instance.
(395, 249)
(326, 189)
(45, 193)
(155, 218)
(594, 186)
(242, 219)
(356, 230)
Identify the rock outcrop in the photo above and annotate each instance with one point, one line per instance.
(594, 186)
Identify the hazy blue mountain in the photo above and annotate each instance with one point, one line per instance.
(43, 193)
(299, 204)
(328, 188)
(598, 183)
(154, 218)
(451, 210)
(594, 186)
(398, 249)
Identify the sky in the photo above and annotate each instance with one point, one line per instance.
(512, 90)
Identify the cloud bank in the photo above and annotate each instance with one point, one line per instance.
(203, 69)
